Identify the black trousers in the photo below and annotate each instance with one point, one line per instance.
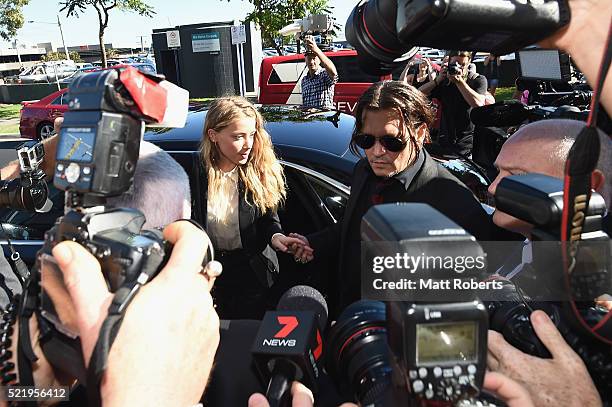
(237, 293)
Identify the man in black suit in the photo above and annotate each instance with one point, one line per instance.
(392, 121)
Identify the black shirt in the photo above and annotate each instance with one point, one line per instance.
(376, 191)
(456, 129)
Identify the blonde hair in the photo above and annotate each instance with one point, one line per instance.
(262, 175)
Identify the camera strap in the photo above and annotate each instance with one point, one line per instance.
(580, 164)
(108, 332)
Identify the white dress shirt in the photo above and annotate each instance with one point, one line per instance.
(222, 221)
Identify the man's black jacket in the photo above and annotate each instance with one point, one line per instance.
(432, 185)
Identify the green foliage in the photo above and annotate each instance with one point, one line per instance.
(504, 93)
(74, 8)
(8, 112)
(272, 15)
(11, 17)
(58, 56)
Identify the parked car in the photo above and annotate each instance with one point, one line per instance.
(44, 73)
(143, 67)
(313, 148)
(36, 117)
(280, 79)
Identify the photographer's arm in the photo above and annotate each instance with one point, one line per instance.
(430, 86)
(584, 38)
(326, 63)
(471, 96)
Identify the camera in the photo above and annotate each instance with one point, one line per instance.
(454, 69)
(30, 191)
(315, 25)
(384, 32)
(568, 300)
(97, 153)
(400, 351)
(376, 354)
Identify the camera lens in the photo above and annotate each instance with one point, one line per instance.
(371, 30)
(359, 358)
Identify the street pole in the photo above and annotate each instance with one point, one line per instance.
(18, 54)
(63, 41)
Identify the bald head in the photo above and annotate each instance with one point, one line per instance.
(551, 140)
(543, 147)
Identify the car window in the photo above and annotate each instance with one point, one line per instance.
(286, 72)
(333, 199)
(60, 100)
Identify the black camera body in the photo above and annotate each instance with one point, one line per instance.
(454, 69)
(385, 32)
(124, 252)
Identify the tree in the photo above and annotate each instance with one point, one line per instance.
(58, 56)
(103, 8)
(11, 17)
(272, 15)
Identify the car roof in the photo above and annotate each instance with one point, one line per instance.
(327, 132)
(282, 58)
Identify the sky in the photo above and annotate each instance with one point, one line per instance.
(125, 29)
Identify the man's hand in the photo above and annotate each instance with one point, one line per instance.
(165, 347)
(283, 243)
(311, 44)
(301, 397)
(560, 381)
(302, 251)
(506, 389)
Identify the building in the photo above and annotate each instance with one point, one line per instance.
(202, 59)
(10, 58)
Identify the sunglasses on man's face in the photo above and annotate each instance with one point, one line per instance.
(390, 143)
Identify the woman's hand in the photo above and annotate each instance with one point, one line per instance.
(287, 244)
(302, 251)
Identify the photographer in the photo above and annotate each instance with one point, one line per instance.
(543, 147)
(419, 74)
(458, 92)
(318, 84)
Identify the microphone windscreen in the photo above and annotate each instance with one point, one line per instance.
(304, 298)
(501, 114)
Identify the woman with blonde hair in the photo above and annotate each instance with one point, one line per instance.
(245, 187)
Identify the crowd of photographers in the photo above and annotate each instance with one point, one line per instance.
(164, 351)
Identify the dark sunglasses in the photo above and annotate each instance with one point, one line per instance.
(390, 143)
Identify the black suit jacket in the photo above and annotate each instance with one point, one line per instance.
(256, 231)
(432, 185)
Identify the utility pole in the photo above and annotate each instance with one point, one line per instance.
(18, 54)
(63, 41)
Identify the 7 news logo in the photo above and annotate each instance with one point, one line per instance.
(288, 323)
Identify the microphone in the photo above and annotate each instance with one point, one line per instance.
(501, 114)
(289, 344)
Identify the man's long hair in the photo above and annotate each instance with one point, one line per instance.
(413, 106)
(262, 174)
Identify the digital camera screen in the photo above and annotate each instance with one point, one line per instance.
(76, 144)
(447, 342)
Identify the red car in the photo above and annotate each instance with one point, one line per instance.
(36, 118)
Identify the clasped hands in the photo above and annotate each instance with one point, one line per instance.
(294, 244)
